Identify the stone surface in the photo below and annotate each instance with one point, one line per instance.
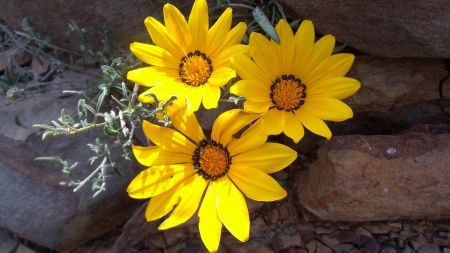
(35, 205)
(384, 28)
(123, 19)
(429, 248)
(7, 243)
(363, 178)
(395, 95)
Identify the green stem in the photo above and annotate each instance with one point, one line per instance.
(82, 183)
(79, 130)
(226, 100)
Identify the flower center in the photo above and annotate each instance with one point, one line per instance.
(288, 94)
(195, 69)
(212, 161)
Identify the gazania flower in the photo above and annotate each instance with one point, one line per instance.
(295, 83)
(188, 58)
(185, 166)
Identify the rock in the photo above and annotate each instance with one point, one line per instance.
(429, 248)
(446, 250)
(155, 241)
(289, 241)
(174, 235)
(273, 216)
(264, 249)
(378, 228)
(388, 250)
(389, 29)
(17, 55)
(258, 227)
(39, 66)
(361, 231)
(24, 249)
(396, 94)
(407, 250)
(378, 177)
(53, 18)
(320, 230)
(35, 205)
(371, 247)
(7, 243)
(321, 248)
(330, 241)
(348, 236)
(343, 248)
(440, 241)
(206, 118)
(311, 246)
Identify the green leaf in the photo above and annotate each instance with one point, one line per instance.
(155, 99)
(265, 24)
(63, 118)
(18, 122)
(100, 100)
(90, 109)
(173, 98)
(109, 131)
(82, 110)
(339, 48)
(54, 159)
(46, 127)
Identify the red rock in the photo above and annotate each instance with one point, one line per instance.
(386, 28)
(368, 178)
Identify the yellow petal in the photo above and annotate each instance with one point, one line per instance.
(248, 70)
(233, 37)
(256, 184)
(210, 225)
(190, 198)
(235, 125)
(154, 55)
(328, 108)
(257, 107)
(286, 52)
(151, 156)
(221, 76)
(321, 50)
(187, 125)
(211, 97)
(338, 87)
(275, 121)
(218, 32)
(177, 27)
(293, 128)
(223, 57)
(163, 91)
(264, 55)
(161, 204)
(233, 210)
(269, 158)
(194, 98)
(222, 122)
(198, 24)
(150, 76)
(313, 123)
(253, 91)
(303, 45)
(254, 137)
(168, 139)
(162, 38)
(156, 180)
(334, 66)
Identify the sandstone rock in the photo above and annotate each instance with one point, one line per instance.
(384, 28)
(368, 178)
(123, 19)
(395, 94)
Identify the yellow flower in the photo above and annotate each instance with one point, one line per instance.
(295, 83)
(184, 166)
(188, 58)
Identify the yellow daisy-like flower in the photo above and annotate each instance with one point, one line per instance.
(185, 166)
(188, 58)
(297, 82)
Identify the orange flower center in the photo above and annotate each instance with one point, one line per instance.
(195, 69)
(212, 161)
(288, 94)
